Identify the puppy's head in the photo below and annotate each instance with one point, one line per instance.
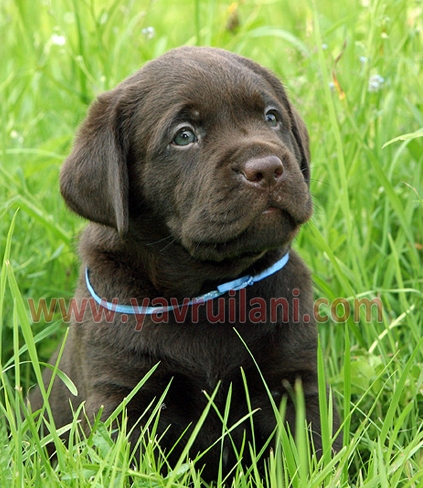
(202, 142)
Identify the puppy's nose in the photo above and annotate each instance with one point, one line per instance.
(264, 172)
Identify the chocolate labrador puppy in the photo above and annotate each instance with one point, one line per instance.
(194, 173)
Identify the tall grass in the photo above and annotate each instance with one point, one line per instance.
(355, 71)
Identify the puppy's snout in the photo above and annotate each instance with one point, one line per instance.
(264, 172)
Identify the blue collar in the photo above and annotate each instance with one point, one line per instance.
(235, 285)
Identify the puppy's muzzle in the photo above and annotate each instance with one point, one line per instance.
(264, 172)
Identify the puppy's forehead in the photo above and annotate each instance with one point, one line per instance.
(205, 75)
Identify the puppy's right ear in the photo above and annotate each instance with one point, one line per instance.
(94, 178)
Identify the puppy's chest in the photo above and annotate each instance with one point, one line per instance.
(211, 353)
(201, 373)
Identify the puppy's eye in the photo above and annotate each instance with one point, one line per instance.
(271, 118)
(184, 137)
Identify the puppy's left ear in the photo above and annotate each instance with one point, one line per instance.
(94, 178)
(300, 133)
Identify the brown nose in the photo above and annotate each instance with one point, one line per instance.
(264, 172)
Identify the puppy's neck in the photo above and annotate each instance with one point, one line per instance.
(161, 267)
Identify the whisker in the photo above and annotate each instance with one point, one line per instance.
(159, 240)
(167, 245)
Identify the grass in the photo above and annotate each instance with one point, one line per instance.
(365, 240)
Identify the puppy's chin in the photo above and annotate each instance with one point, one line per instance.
(272, 230)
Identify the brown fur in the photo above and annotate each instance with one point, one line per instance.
(174, 222)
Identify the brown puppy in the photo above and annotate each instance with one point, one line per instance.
(193, 172)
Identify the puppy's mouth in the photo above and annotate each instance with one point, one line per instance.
(273, 210)
(270, 210)
(233, 224)
(270, 228)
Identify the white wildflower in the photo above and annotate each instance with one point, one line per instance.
(58, 40)
(375, 83)
(148, 32)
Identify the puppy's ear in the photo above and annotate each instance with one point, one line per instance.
(94, 178)
(300, 133)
